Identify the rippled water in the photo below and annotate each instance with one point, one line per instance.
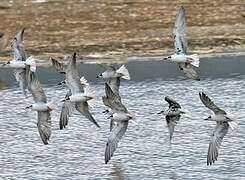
(144, 152)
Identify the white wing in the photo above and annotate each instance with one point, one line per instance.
(72, 76)
(179, 32)
(18, 47)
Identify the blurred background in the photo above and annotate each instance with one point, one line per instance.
(105, 28)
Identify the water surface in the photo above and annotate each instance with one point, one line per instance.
(144, 152)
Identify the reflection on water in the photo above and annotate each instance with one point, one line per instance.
(3, 85)
(144, 152)
(117, 173)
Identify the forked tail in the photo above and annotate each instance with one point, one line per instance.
(32, 63)
(124, 72)
(89, 92)
(194, 59)
(84, 81)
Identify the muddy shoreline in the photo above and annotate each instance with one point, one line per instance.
(119, 28)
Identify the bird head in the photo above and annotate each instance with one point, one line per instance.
(208, 119)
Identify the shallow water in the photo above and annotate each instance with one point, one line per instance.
(144, 152)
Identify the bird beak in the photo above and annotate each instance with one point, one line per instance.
(160, 112)
(63, 100)
(28, 107)
(206, 119)
(165, 58)
(106, 111)
(182, 112)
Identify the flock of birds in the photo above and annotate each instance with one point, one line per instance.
(81, 96)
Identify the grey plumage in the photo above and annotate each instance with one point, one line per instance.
(217, 136)
(58, 66)
(114, 102)
(18, 47)
(19, 55)
(115, 136)
(82, 107)
(180, 44)
(173, 115)
(114, 83)
(189, 71)
(221, 129)
(210, 104)
(74, 84)
(66, 111)
(44, 119)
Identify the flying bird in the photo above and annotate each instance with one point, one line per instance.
(41, 105)
(185, 62)
(20, 62)
(223, 122)
(120, 115)
(80, 100)
(80, 95)
(172, 115)
(113, 75)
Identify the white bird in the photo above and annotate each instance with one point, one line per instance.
(80, 95)
(20, 62)
(223, 122)
(120, 115)
(41, 105)
(185, 62)
(114, 76)
(172, 115)
(67, 107)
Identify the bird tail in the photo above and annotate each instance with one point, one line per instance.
(32, 63)
(53, 105)
(195, 59)
(124, 72)
(84, 81)
(89, 92)
(233, 124)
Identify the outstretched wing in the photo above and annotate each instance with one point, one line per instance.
(21, 78)
(44, 125)
(18, 47)
(179, 32)
(114, 83)
(34, 87)
(82, 107)
(113, 100)
(172, 103)
(58, 66)
(188, 70)
(72, 76)
(210, 104)
(220, 131)
(114, 137)
(171, 123)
